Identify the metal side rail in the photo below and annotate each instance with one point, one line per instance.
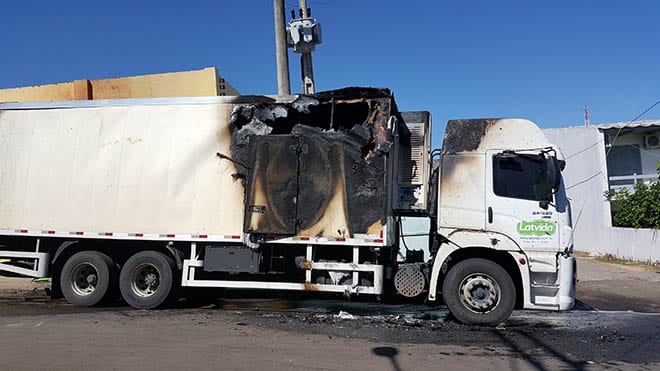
(191, 265)
(10, 260)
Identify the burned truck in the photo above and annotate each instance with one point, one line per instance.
(138, 198)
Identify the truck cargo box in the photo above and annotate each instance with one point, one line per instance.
(198, 168)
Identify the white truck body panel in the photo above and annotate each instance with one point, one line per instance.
(126, 169)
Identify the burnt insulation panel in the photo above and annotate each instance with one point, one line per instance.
(312, 159)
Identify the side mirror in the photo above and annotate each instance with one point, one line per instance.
(553, 171)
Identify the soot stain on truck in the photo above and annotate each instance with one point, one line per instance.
(465, 135)
(315, 164)
(461, 138)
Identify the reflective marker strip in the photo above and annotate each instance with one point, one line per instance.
(120, 235)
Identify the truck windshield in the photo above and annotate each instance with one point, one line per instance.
(521, 176)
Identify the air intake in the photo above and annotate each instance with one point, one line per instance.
(413, 160)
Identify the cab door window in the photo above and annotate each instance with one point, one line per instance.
(521, 176)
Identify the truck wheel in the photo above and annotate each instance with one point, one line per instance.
(86, 278)
(479, 292)
(147, 280)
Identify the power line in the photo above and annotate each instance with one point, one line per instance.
(622, 126)
(585, 180)
(646, 110)
(585, 149)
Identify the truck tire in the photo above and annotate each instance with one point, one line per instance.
(87, 278)
(479, 292)
(147, 280)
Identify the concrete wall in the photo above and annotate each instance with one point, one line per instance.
(634, 244)
(586, 180)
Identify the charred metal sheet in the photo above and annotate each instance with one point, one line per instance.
(319, 163)
(354, 93)
(321, 191)
(465, 135)
(272, 185)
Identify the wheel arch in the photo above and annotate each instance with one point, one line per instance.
(502, 258)
(118, 250)
(453, 255)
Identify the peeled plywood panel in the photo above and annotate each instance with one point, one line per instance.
(205, 82)
(41, 93)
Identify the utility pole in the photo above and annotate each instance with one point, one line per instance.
(306, 57)
(586, 115)
(283, 84)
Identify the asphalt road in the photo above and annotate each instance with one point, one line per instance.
(616, 325)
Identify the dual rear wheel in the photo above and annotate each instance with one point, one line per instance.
(146, 280)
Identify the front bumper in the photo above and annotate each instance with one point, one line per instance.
(567, 282)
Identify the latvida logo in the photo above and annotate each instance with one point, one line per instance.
(536, 227)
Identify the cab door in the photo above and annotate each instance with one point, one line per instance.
(520, 201)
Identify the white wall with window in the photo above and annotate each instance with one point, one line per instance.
(603, 157)
(632, 153)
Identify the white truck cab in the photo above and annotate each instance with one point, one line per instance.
(503, 222)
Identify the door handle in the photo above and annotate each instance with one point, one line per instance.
(490, 214)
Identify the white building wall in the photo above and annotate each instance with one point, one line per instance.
(586, 180)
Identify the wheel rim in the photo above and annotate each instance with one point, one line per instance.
(84, 279)
(480, 293)
(145, 280)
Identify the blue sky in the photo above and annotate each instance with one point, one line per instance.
(458, 59)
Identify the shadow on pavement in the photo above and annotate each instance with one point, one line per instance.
(390, 353)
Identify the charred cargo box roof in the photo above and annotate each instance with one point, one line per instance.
(315, 165)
